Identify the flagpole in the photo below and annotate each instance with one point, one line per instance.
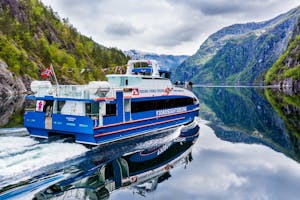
(52, 69)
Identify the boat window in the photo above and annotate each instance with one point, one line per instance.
(92, 108)
(164, 75)
(141, 64)
(122, 81)
(160, 104)
(60, 104)
(124, 167)
(109, 171)
(88, 108)
(48, 104)
(111, 109)
(95, 108)
(127, 105)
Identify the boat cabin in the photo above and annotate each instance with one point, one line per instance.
(143, 95)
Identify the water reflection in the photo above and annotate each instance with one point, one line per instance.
(240, 163)
(140, 164)
(287, 105)
(226, 170)
(245, 115)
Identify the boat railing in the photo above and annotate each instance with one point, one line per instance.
(71, 91)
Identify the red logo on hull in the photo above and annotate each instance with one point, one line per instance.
(135, 91)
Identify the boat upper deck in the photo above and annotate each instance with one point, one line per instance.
(140, 80)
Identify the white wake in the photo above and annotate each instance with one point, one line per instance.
(24, 154)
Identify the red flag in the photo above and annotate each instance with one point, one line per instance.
(47, 72)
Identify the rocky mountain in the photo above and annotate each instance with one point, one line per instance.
(33, 36)
(286, 70)
(167, 61)
(240, 54)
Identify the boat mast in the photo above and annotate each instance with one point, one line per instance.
(52, 69)
(54, 74)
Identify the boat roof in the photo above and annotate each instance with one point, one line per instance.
(152, 68)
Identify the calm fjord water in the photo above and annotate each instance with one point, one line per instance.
(248, 148)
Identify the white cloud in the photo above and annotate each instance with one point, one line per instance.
(165, 26)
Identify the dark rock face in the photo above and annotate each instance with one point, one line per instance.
(12, 92)
(296, 29)
(292, 85)
(16, 9)
(289, 86)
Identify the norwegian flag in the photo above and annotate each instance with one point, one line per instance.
(47, 72)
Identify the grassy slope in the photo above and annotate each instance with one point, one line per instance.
(279, 71)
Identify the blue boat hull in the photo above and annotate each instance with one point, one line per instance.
(84, 130)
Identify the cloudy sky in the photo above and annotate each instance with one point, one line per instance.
(162, 26)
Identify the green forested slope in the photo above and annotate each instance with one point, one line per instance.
(32, 36)
(287, 66)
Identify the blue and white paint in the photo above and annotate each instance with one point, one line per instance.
(103, 112)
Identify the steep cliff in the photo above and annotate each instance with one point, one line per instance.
(12, 91)
(286, 71)
(240, 54)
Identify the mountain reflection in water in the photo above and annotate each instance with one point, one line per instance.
(246, 115)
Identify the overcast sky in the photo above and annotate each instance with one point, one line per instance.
(162, 26)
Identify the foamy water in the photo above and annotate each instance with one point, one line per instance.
(24, 154)
(13, 132)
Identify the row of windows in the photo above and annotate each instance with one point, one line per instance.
(142, 106)
(160, 104)
(93, 108)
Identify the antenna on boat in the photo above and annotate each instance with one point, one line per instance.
(54, 74)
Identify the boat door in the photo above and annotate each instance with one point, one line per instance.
(127, 109)
(48, 109)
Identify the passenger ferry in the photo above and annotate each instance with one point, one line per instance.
(127, 105)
